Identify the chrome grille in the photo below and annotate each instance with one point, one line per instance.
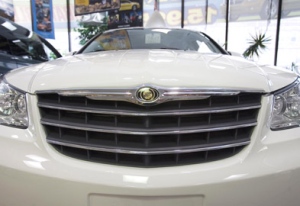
(171, 133)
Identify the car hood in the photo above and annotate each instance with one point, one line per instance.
(164, 68)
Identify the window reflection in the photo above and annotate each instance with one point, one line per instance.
(175, 39)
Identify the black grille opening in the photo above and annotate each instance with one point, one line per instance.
(164, 122)
(53, 132)
(101, 119)
(247, 114)
(244, 133)
(222, 136)
(193, 157)
(217, 154)
(75, 153)
(72, 135)
(105, 139)
(132, 160)
(194, 139)
(52, 114)
(249, 98)
(101, 104)
(103, 157)
(133, 141)
(160, 141)
(131, 121)
(219, 101)
(163, 160)
(48, 97)
(200, 104)
(223, 118)
(71, 100)
(194, 120)
(70, 116)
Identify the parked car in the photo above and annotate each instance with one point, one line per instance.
(129, 5)
(150, 116)
(264, 8)
(21, 47)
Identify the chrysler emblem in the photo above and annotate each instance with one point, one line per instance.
(147, 94)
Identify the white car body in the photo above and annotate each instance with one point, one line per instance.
(266, 172)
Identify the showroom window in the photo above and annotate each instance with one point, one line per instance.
(233, 30)
(207, 16)
(289, 41)
(250, 20)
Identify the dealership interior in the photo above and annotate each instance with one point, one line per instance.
(149, 102)
(234, 24)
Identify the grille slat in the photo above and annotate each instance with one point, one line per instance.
(167, 134)
(120, 150)
(144, 131)
(154, 141)
(169, 112)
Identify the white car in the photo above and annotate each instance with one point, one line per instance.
(150, 116)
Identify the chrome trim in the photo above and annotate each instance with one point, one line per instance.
(142, 95)
(118, 131)
(129, 113)
(130, 96)
(155, 152)
(165, 94)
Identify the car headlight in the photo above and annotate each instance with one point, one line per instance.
(286, 108)
(13, 109)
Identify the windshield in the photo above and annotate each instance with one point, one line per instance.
(175, 39)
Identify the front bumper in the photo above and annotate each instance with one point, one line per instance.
(266, 173)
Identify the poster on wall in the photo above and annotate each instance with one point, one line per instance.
(130, 14)
(83, 7)
(42, 17)
(7, 9)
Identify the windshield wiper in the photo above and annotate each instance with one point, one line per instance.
(96, 50)
(171, 48)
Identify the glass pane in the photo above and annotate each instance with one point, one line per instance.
(170, 10)
(207, 16)
(75, 40)
(61, 40)
(249, 22)
(289, 39)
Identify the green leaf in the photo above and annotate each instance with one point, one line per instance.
(87, 31)
(257, 45)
